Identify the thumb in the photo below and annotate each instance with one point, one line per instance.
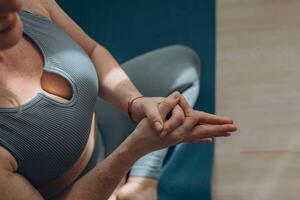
(188, 111)
(152, 113)
(168, 104)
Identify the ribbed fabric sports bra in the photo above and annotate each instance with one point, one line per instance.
(49, 135)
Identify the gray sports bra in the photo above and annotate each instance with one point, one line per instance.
(50, 135)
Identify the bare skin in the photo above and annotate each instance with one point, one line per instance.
(21, 63)
(138, 188)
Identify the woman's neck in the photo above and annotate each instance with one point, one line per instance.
(9, 56)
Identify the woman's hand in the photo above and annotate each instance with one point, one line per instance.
(196, 127)
(138, 188)
(149, 107)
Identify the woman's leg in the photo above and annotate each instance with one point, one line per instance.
(156, 73)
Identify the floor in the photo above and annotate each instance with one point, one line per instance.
(258, 84)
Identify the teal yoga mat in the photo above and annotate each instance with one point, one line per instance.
(129, 28)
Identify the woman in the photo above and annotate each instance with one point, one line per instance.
(56, 72)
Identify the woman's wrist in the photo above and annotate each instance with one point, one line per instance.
(131, 109)
(131, 95)
(139, 141)
(133, 147)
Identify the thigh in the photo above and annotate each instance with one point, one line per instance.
(161, 71)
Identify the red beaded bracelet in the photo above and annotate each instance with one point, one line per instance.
(129, 108)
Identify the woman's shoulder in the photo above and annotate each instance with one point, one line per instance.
(38, 7)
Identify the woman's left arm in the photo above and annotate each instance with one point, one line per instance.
(114, 84)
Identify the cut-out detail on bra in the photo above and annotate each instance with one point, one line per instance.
(57, 86)
(47, 68)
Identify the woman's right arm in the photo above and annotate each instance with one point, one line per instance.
(100, 182)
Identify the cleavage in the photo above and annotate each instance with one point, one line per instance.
(25, 74)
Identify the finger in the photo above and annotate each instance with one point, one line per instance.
(183, 132)
(206, 140)
(214, 135)
(176, 119)
(211, 129)
(208, 131)
(158, 99)
(203, 140)
(153, 114)
(188, 111)
(167, 105)
(206, 118)
(198, 138)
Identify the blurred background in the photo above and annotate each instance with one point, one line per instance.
(258, 78)
(255, 78)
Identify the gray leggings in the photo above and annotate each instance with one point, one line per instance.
(157, 73)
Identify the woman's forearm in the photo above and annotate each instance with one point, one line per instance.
(114, 84)
(99, 183)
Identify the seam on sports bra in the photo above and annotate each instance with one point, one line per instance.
(34, 100)
(36, 15)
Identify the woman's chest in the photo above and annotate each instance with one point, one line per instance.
(23, 74)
